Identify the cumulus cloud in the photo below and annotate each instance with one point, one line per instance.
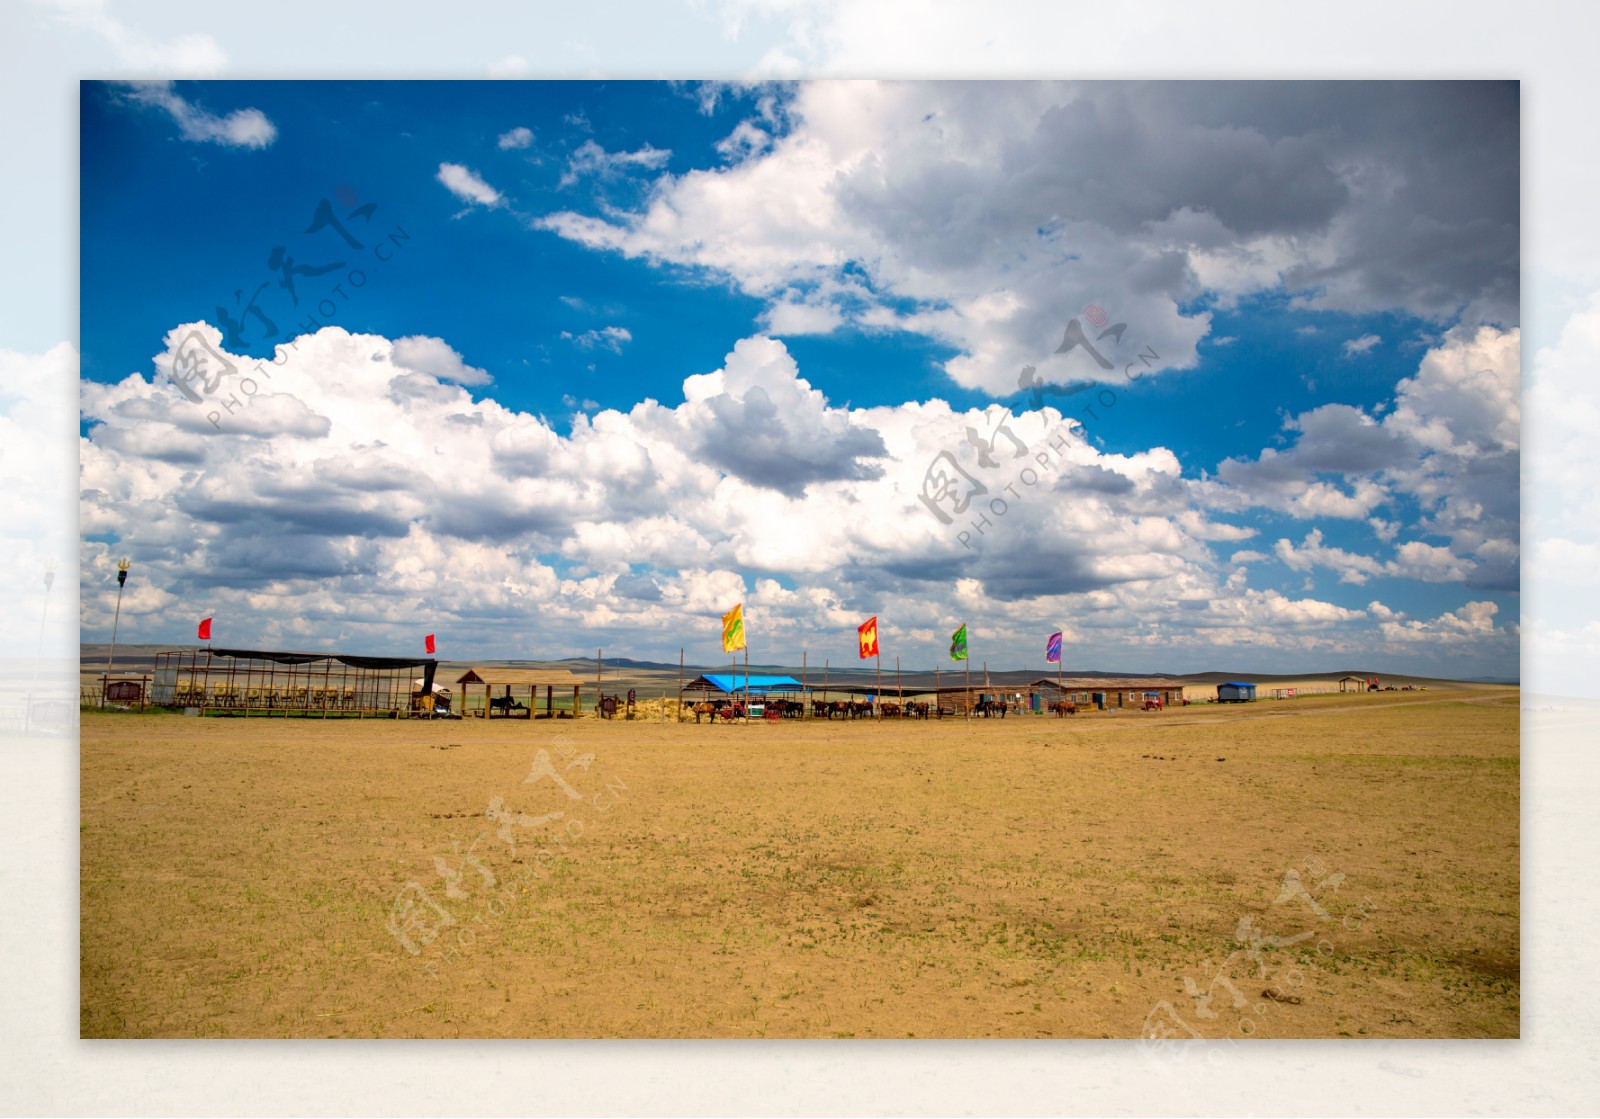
(986, 215)
(360, 484)
(242, 128)
(1472, 622)
(516, 139)
(1449, 447)
(466, 185)
(434, 357)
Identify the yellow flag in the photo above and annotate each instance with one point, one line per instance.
(733, 629)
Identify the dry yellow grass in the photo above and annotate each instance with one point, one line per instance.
(1027, 877)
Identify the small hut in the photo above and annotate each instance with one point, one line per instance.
(1236, 691)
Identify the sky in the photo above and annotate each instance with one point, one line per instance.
(1205, 375)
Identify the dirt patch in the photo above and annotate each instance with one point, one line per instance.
(1026, 877)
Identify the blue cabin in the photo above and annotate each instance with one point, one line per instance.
(1235, 691)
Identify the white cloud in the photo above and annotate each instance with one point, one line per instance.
(606, 338)
(1352, 568)
(242, 128)
(1451, 444)
(988, 214)
(434, 357)
(517, 139)
(1472, 622)
(1366, 342)
(193, 54)
(466, 185)
(591, 159)
(386, 491)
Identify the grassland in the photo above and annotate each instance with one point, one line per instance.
(1345, 865)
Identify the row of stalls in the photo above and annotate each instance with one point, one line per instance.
(268, 682)
(1038, 696)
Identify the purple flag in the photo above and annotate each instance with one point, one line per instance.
(1052, 650)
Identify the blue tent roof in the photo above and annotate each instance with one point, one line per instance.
(1238, 684)
(759, 684)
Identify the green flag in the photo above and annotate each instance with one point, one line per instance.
(958, 644)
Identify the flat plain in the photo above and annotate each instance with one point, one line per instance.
(1326, 866)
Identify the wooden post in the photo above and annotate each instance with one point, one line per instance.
(549, 702)
(899, 693)
(877, 700)
(804, 696)
(599, 688)
(680, 686)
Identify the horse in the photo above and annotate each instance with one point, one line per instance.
(889, 710)
(506, 704)
(1062, 707)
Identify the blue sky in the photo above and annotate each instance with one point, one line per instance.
(822, 287)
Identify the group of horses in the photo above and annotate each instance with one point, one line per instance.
(729, 710)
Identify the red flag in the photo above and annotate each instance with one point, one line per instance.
(867, 632)
(427, 643)
(205, 629)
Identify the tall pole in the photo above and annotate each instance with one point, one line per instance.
(899, 693)
(122, 578)
(599, 692)
(825, 662)
(1061, 655)
(747, 680)
(804, 693)
(968, 687)
(680, 684)
(936, 708)
(877, 700)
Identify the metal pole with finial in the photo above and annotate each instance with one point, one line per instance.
(122, 580)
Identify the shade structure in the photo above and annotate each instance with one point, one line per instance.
(504, 689)
(729, 683)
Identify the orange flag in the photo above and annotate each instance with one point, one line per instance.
(868, 633)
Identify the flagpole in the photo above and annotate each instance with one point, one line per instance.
(803, 695)
(1061, 655)
(936, 685)
(599, 690)
(747, 680)
(679, 719)
(967, 661)
(877, 700)
(899, 693)
(825, 662)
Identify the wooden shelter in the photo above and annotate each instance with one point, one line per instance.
(275, 682)
(1352, 683)
(511, 682)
